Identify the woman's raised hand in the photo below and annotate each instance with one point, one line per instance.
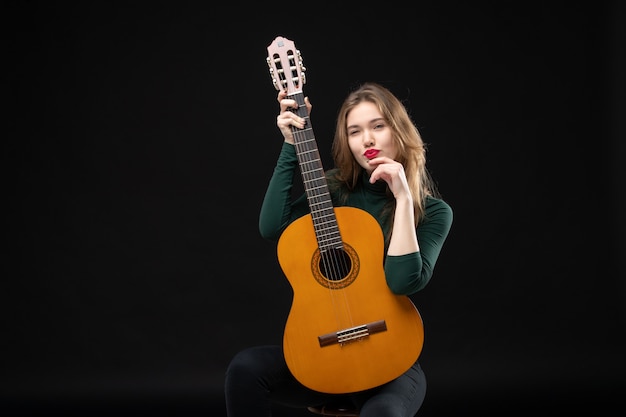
(286, 118)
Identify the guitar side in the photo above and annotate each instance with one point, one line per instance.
(389, 328)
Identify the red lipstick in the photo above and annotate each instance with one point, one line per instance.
(371, 153)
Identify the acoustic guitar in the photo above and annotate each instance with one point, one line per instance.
(346, 331)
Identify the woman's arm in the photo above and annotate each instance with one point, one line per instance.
(408, 273)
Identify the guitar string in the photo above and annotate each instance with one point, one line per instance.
(331, 248)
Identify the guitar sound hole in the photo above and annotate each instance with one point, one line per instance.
(335, 264)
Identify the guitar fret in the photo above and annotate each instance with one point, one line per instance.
(324, 225)
(310, 141)
(326, 232)
(334, 244)
(312, 174)
(309, 152)
(307, 130)
(325, 242)
(321, 230)
(334, 238)
(318, 187)
(314, 184)
(327, 212)
(321, 207)
(324, 194)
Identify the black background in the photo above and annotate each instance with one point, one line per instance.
(139, 141)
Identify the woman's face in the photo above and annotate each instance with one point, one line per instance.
(369, 135)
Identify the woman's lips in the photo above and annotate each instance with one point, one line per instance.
(371, 153)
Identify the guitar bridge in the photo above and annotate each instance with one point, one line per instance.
(352, 334)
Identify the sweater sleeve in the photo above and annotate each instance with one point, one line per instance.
(408, 274)
(278, 210)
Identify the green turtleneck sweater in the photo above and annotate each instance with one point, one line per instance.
(405, 274)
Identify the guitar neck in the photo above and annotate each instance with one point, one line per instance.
(314, 180)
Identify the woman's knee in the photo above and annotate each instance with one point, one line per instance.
(254, 362)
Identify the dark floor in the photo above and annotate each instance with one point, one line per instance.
(595, 403)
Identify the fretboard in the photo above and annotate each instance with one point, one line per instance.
(315, 184)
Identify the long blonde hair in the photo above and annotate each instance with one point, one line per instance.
(411, 148)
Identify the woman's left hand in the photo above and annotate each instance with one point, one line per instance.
(392, 172)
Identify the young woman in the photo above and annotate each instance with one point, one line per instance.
(380, 167)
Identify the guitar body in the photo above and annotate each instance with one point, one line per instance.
(387, 329)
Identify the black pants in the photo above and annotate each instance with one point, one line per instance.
(258, 377)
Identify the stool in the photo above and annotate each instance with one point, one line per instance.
(341, 411)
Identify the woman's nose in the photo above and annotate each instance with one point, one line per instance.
(368, 138)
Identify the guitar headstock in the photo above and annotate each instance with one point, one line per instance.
(286, 67)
